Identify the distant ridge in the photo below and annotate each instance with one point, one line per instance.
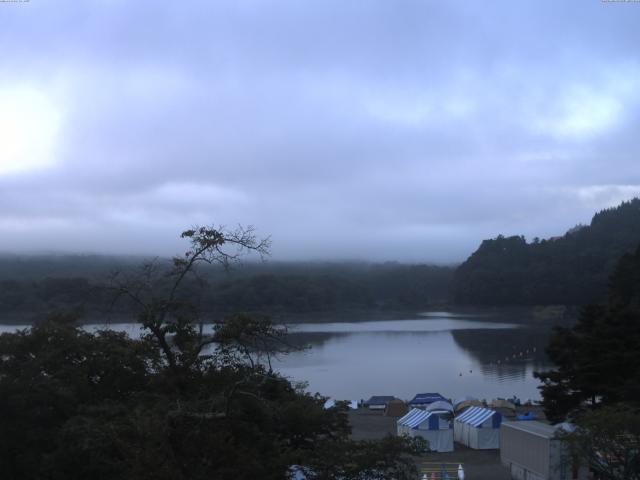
(572, 269)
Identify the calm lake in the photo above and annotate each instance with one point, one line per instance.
(437, 352)
(441, 352)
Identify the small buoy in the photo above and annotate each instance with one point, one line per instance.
(470, 371)
(460, 374)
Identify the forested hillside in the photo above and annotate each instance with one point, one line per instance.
(35, 285)
(568, 270)
(571, 270)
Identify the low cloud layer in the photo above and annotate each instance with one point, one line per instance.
(406, 130)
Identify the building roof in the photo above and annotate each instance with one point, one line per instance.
(426, 398)
(502, 403)
(379, 400)
(395, 408)
(535, 428)
(414, 418)
(476, 416)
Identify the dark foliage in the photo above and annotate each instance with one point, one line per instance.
(607, 440)
(598, 360)
(173, 404)
(568, 270)
(273, 288)
(315, 289)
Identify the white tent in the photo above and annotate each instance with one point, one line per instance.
(478, 428)
(352, 404)
(464, 398)
(440, 406)
(431, 426)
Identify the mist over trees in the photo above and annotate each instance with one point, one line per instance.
(31, 286)
(569, 270)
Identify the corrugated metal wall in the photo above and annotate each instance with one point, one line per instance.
(524, 450)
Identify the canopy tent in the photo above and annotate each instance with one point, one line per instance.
(440, 406)
(502, 403)
(463, 398)
(478, 428)
(431, 426)
(424, 399)
(395, 408)
(466, 404)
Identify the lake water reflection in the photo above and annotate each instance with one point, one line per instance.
(437, 351)
(451, 355)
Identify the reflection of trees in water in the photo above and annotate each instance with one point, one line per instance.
(313, 339)
(318, 339)
(505, 354)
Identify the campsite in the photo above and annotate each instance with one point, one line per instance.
(473, 441)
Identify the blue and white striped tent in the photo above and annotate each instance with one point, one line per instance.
(424, 399)
(432, 426)
(478, 428)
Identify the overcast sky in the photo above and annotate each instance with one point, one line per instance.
(407, 130)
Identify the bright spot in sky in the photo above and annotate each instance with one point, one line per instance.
(588, 112)
(28, 129)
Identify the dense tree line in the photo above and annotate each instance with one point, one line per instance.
(273, 288)
(391, 286)
(569, 270)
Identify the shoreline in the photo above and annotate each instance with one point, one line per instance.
(522, 315)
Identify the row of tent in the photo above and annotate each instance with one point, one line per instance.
(440, 422)
(421, 400)
(436, 421)
(476, 427)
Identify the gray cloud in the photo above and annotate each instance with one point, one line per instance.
(387, 130)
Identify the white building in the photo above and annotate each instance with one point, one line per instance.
(531, 452)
